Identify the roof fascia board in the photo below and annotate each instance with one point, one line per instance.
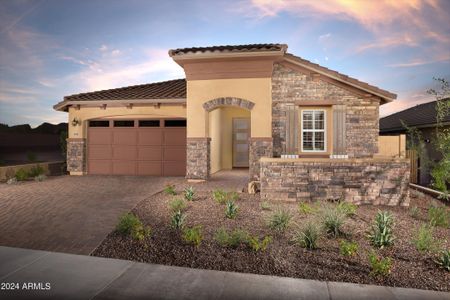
(61, 105)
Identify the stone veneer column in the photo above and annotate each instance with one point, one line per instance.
(198, 162)
(76, 156)
(259, 147)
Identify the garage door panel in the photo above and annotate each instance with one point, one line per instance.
(175, 153)
(150, 137)
(150, 168)
(124, 167)
(175, 137)
(99, 152)
(124, 152)
(99, 167)
(149, 153)
(100, 136)
(174, 168)
(124, 137)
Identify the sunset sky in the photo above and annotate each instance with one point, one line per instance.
(53, 48)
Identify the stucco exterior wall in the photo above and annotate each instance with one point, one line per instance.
(256, 90)
(291, 86)
(88, 113)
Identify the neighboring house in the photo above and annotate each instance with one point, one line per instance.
(237, 105)
(422, 117)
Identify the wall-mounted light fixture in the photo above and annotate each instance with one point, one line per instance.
(76, 122)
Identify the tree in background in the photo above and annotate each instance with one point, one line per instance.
(63, 146)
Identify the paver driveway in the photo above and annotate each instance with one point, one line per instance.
(70, 213)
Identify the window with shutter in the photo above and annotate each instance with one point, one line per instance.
(339, 134)
(290, 146)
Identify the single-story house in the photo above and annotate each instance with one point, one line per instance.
(304, 131)
(422, 117)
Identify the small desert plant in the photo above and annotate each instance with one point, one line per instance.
(36, 171)
(231, 239)
(129, 224)
(177, 220)
(259, 245)
(170, 190)
(31, 156)
(11, 181)
(438, 216)
(347, 208)
(233, 196)
(444, 260)
(265, 205)
(307, 236)
(231, 209)
(21, 175)
(305, 208)
(220, 196)
(332, 221)
(177, 205)
(193, 235)
(414, 212)
(424, 240)
(381, 233)
(189, 193)
(279, 221)
(348, 248)
(40, 177)
(379, 265)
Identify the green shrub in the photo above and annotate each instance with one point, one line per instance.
(444, 260)
(41, 177)
(439, 216)
(380, 266)
(347, 208)
(233, 196)
(220, 196)
(259, 245)
(231, 239)
(193, 235)
(21, 175)
(189, 193)
(265, 205)
(414, 212)
(129, 224)
(280, 220)
(177, 220)
(307, 236)
(306, 208)
(423, 239)
(348, 248)
(170, 190)
(381, 233)
(36, 171)
(231, 209)
(31, 156)
(177, 205)
(332, 221)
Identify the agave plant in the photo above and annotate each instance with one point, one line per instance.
(444, 260)
(231, 209)
(189, 193)
(381, 233)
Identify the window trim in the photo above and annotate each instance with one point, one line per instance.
(324, 130)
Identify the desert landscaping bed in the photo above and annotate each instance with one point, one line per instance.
(283, 257)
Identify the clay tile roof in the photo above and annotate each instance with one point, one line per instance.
(171, 89)
(419, 115)
(229, 48)
(344, 78)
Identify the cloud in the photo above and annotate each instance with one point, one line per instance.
(418, 62)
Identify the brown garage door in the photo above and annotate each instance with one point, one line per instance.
(137, 147)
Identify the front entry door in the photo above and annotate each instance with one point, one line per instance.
(241, 134)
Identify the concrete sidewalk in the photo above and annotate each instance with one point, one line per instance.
(48, 275)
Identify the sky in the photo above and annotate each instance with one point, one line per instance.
(53, 48)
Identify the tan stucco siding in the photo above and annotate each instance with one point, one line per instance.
(137, 112)
(256, 90)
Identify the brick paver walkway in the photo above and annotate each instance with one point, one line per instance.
(70, 213)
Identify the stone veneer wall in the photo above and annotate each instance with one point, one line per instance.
(76, 155)
(259, 147)
(360, 181)
(198, 162)
(291, 86)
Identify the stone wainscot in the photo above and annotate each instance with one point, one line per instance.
(377, 181)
